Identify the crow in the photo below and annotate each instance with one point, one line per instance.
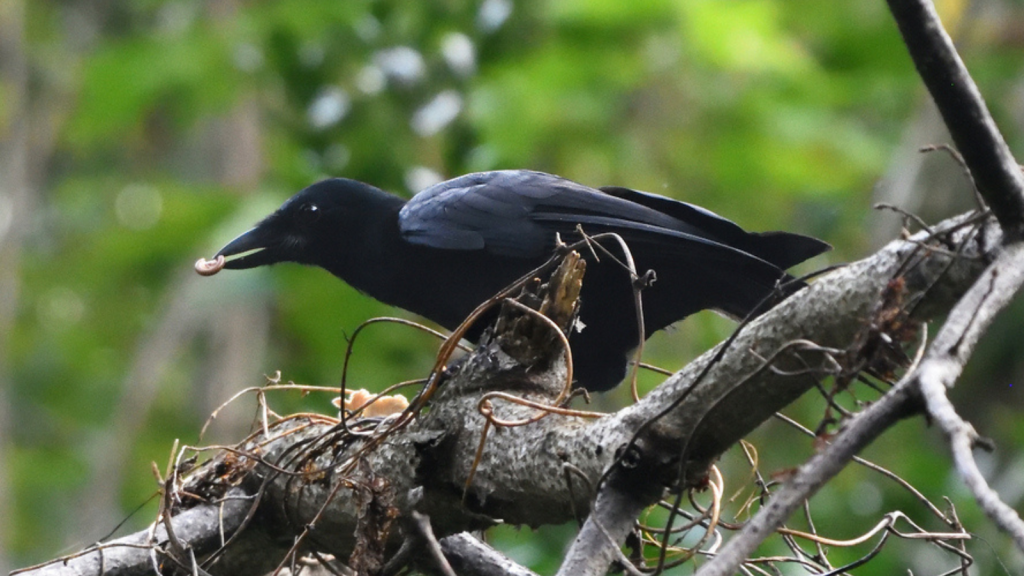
(458, 243)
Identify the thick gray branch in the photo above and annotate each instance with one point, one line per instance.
(941, 366)
(198, 529)
(737, 394)
(618, 504)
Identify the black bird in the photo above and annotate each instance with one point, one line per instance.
(457, 243)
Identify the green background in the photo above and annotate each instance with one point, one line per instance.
(154, 131)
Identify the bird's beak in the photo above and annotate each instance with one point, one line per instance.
(250, 249)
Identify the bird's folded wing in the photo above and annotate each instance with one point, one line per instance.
(516, 213)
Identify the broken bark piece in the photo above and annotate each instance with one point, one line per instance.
(530, 340)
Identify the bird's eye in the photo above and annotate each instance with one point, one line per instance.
(308, 213)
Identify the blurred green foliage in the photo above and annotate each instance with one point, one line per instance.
(780, 114)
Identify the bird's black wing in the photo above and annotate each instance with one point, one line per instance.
(700, 218)
(517, 213)
(487, 210)
(784, 249)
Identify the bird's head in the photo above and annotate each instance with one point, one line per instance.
(311, 227)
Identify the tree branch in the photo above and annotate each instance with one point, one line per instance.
(995, 171)
(471, 557)
(940, 370)
(863, 429)
(321, 486)
(942, 364)
(199, 529)
(618, 504)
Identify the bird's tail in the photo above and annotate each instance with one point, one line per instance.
(739, 302)
(783, 249)
(742, 286)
